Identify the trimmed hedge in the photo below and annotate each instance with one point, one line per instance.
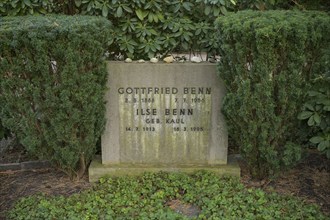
(52, 84)
(268, 62)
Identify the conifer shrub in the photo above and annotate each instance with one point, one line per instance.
(52, 83)
(268, 60)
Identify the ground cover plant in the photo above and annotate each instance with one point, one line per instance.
(202, 195)
(316, 113)
(52, 81)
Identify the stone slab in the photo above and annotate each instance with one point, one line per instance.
(164, 114)
(97, 169)
(28, 165)
(10, 166)
(35, 165)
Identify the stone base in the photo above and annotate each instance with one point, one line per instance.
(97, 169)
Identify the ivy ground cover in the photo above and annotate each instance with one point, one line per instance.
(167, 196)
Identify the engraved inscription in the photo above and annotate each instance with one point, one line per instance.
(153, 117)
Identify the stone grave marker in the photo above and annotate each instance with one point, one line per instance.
(163, 117)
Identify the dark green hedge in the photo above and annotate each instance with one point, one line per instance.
(52, 83)
(268, 61)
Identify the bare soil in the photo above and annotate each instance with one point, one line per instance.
(14, 153)
(309, 180)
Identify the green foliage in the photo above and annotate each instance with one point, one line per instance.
(146, 197)
(316, 112)
(26, 7)
(142, 28)
(259, 4)
(52, 83)
(4, 132)
(268, 59)
(322, 5)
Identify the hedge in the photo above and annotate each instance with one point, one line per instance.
(52, 85)
(268, 62)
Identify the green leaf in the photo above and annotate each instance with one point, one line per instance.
(311, 121)
(304, 115)
(207, 10)
(128, 9)
(2, 132)
(150, 17)
(42, 11)
(309, 106)
(105, 11)
(324, 101)
(27, 2)
(187, 6)
(317, 119)
(177, 8)
(323, 145)
(223, 10)
(160, 16)
(216, 11)
(13, 4)
(313, 93)
(155, 18)
(316, 139)
(317, 108)
(326, 108)
(153, 31)
(77, 3)
(119, 11)
(130, 49)
(141, 14)
(89, 7)
(272, 2)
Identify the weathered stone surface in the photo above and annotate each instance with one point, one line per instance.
(163, 117)
(166, 114)
(98, 170)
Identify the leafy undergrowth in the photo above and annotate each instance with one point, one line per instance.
(201, 195)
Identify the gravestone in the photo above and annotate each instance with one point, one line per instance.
(163, 117)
